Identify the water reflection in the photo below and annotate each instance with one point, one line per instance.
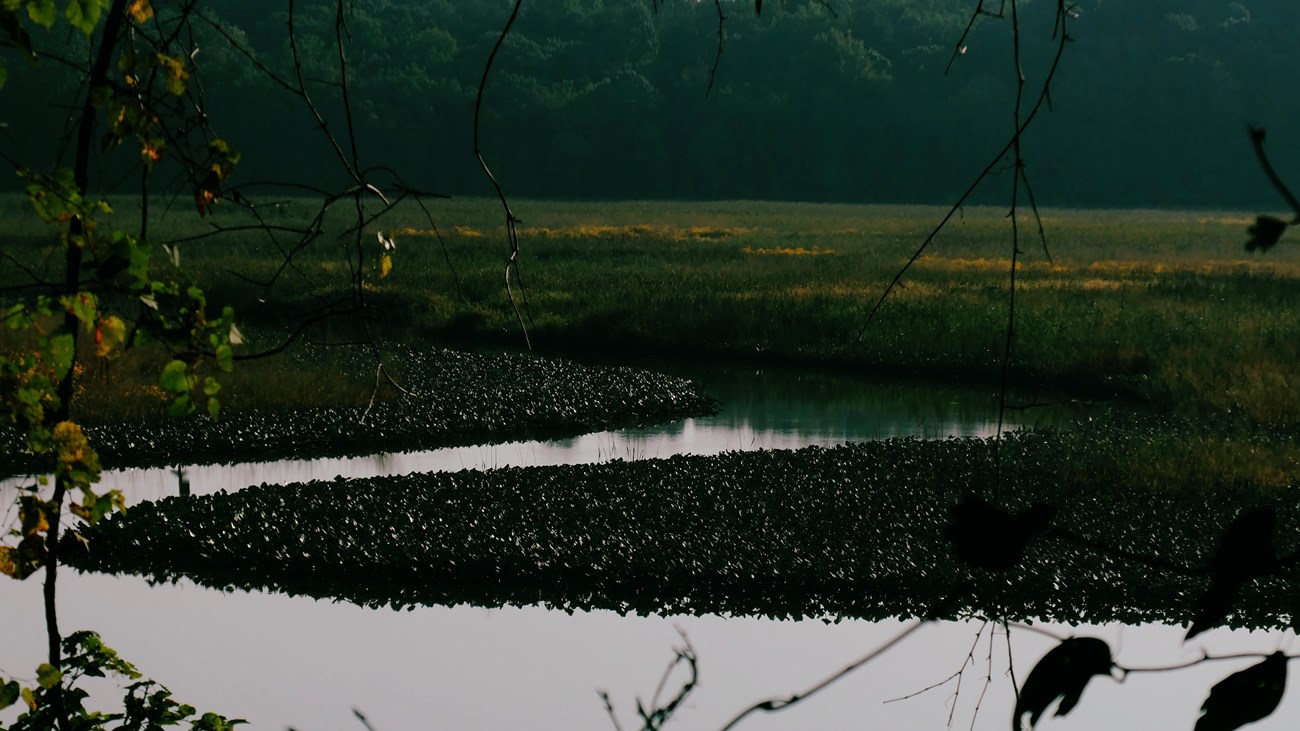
(761, 409)
(288, 661)
(280, 661)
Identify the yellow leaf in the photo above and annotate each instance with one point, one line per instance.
(31, 512)
(141, 10)
(385, 265)
(29, 699)
(150, 153)
(8, 566)
(174, 74)
(110, 335)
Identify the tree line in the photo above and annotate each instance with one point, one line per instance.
(845, 100)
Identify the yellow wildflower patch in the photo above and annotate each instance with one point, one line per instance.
(982, 264)
(649, 230)
(789, 251)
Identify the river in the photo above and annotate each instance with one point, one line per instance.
(282, 661)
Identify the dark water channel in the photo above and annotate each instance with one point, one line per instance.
(760, 409)
(282, 661)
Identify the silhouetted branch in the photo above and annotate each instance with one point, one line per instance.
(776, 704)
(512, 232)
(1038, 218)
(362, 718)
(609, 709)
(717, 59)
(960, 48)
(655, 716)
(970, 189)
(984, 689)
(1257, 141)
(958, 675)
(1018, 162)
(1204, 658)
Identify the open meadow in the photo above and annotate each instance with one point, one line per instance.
(1162, 306)
(1164, 310)
(1187, 339)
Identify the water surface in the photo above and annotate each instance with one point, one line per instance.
(772, 408)
(283, 661)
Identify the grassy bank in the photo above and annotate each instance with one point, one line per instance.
(452, 399)
(1164, 305)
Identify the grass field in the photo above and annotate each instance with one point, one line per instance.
(1160, 305)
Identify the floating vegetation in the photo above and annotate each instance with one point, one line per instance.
(456, 398)
(854, 531)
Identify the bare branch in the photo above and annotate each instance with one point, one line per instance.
(1257, 141)
(512, 232)
(717, 59)
(1204, 658)
(776, 704)
(957, 675)
(970, 189)
(655, 716)
(960, 48)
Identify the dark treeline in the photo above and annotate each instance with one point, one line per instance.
(845, 100)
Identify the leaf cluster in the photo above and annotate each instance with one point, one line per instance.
(57, 702)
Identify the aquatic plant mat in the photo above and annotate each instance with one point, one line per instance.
(456, 398)
(853, 531)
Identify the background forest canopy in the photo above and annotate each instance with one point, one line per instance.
(839, 101)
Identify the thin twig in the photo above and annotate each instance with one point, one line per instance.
(717, 59)
(1038, 218)
(776, 704)
(1204, 658)
(959, 674)
(512, 231)
(362, 718)
(609, 708)
(988, 681)
(970, 189)
(960, 48)
(1257, 141)
(1011, 662)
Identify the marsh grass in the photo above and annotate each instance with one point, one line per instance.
(1163, 305)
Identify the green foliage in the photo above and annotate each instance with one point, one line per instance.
(146, 705)
(43, 12)
(105, 269)
(84, 14)
(606, 100)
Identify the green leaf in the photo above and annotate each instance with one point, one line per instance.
(61, 350)
(226, 358)
(43, 12)
(214, 408)
(182, 406)
(4, 74)
(48, 676)
(8, 694)
(174, 378)
(84, 14)
(83, 306)
(210, 386)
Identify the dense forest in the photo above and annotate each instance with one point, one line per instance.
(844, 100)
